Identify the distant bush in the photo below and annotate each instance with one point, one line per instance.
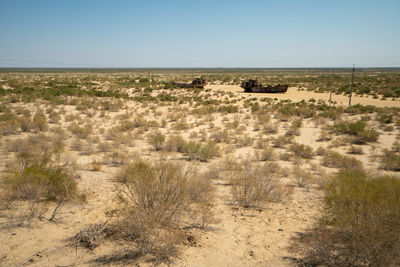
(201, 151)
(116, 158)
(40, 121)
(390, 160)
(302, 150)
(175, 143)
(80, 131)
(267, 153)
(336, 160)
(228, 109)
(385, 118)
(156, 139)
(352, 128)
(300, 176)
(359, 226)
(357, 130)
(356, 150)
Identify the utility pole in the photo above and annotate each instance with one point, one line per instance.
(351, 86)
(330, 95)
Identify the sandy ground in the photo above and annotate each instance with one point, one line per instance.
(241, 237)
(295, 95)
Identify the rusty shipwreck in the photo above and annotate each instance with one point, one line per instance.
(196, 83)
(253, 86)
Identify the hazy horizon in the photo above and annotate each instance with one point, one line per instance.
(199, 34)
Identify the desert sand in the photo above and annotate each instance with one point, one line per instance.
(296, 95)
(239, 237)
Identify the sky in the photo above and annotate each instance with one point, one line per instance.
(203, 33)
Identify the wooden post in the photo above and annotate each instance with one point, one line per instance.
(351, 86)
(330, 95)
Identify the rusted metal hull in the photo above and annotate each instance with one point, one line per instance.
(267, 89)
(253, 86)
(196, 83)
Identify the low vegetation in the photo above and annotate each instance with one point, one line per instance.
(253, 184)
(156, 200)
(360, 223)
(181, 154)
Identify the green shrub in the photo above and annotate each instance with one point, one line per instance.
(390, 160)
(302, 150)
(360, 225)
(175, 143)
(156, 139)
(266, 154)
(352, 128)
(34, 182)
(201, 152)
(385, 118)
(364, 137)
(38, 174)
(26, 124)
(228, 109)
(357, 131)
(40, 121)
(80, 131)
(336, 160)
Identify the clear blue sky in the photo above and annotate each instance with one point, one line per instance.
(177, 33)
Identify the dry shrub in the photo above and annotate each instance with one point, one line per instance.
(80, 131)
(355, 150)
(320, 151)
(266, 154)
(221, 136)
(241, 141)
(96, 165)
(90, 237)
(360, 225)
(301, 176)
(390, 160)
(9, 127)
(303, 151)
(294, 128)
(104, 147)
(77, 144)
(156, 139)
(40, 121)
(285, 156)
(282, 141)
(253, 184)
(116, 158)
(156, 198)
(175, 143)
(202, 152)
(324, 136)
(334, 159)
(396, 147)
(357, 131)
(270, 129)
(38, 173)
(26, 124)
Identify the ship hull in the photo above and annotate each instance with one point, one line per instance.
(267, 89)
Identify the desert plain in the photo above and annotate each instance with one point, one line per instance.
(247, 172)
